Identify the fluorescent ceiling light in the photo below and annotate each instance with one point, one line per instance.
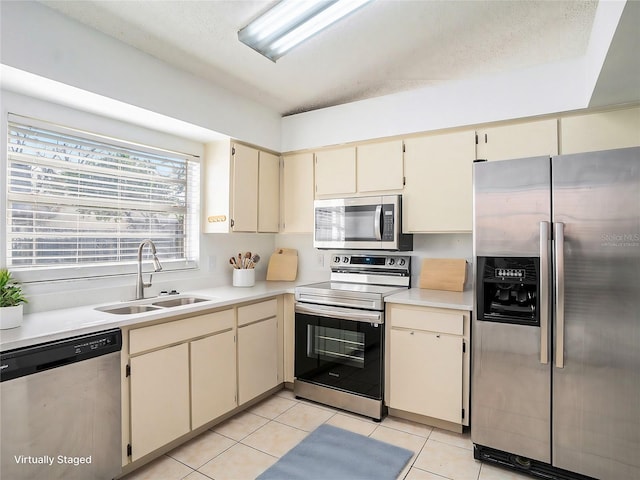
(291, 22)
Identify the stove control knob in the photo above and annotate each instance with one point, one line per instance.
(401, 262)
(391, 261)
(345, 259)
(336, 260)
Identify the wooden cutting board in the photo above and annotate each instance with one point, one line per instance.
(283, 265)
(443, 274)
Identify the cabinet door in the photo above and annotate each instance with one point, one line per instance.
(529, 139)
(257, 358)
(426, 374)
(336, 171)
(380, 167)
(438, 193)
(213, 377)
(159, 398)
(297, 184)
(268, 192)
(600, 131)
(244, 190)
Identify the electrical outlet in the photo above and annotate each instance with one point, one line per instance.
(320, 260)
(212, 262)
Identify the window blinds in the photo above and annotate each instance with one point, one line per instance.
(78, 200)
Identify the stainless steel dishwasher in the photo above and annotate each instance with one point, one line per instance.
(60, 411)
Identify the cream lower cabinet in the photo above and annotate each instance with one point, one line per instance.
(258, 369)
(182, 375)
(213, 377)
(288, 334)
(159, 398)
(428, 364)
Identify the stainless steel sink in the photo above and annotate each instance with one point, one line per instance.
(176, 302)
(129, 309)
(150, 305)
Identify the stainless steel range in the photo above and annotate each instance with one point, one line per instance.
(339, 332)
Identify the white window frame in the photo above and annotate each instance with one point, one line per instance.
(96, 270)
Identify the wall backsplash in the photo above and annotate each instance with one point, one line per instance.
(314, 263)
(215, 270)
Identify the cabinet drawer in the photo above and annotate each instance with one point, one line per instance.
(452, 323)
(257, 311)
(155, 336)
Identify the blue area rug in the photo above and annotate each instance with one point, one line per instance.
(331, 453)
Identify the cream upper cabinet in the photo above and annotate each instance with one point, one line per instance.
(437, 340)
(380, 166)
(527, 139)
(297, 193)
(335, 171)
(241, 189)
(268, 192)
(244, 193)
(600, 131)
(438, 191)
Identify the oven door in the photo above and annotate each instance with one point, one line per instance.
(340, 348)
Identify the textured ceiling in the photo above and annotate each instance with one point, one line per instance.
(386, 47)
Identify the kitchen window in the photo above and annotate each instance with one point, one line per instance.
(79, 204)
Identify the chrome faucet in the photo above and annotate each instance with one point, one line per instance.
(156, 265)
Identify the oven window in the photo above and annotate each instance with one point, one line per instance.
(330, 344)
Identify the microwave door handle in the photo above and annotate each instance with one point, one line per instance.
(377, 222)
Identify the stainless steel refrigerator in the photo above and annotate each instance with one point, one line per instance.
(556, 331)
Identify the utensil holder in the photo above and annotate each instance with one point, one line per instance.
(244, 277)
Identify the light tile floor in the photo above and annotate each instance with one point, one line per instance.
(246, 445)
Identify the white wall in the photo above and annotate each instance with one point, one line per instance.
(39, 40)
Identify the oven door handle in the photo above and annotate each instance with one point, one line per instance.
(340, 313)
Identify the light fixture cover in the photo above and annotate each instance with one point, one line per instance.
(290, 22)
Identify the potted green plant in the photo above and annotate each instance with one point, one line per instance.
(11, 301)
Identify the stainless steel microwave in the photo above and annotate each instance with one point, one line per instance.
(368, 223)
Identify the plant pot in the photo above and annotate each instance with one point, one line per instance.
(10, 317)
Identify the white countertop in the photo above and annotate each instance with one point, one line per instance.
(68, 322)
(433, 298)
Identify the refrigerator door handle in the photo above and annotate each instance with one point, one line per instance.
(558, 235)
(544, 292)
